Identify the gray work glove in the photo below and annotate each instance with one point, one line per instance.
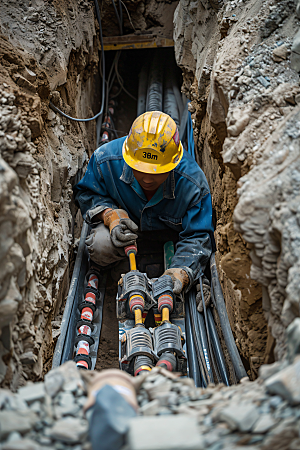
(122, 229)
(206, 293)
(180, 279)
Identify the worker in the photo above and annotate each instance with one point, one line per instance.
(147, 181)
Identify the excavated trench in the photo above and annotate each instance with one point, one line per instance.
(236, 69)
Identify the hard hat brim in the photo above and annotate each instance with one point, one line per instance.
(151, 168)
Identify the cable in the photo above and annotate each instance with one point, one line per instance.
(118, 17)
(128, 15)
(103, 77)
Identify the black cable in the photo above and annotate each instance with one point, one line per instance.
(118, 17)
(103, 77)
(121, 16)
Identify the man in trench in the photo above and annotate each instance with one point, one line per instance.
(148, 182)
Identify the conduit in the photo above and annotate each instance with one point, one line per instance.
(225, 325)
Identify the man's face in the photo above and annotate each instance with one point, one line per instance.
(149, 181)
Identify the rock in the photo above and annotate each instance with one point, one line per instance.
(29, 75)
(69, 430)
(240, 416)
(54, 381)
(279, 53)
(263, 424)
(32, 393)
(267, 370)
(22, 444)
(293, 339)
(263, 81)
(19, 421)
(178, 432)
(28, 358)
(151, 408)
(286, 383)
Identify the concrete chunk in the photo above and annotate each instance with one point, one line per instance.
(241, 416)
(69, 430)
(22, 444)
(32, 393)
(286, 383)
(264, 424)
(16, 421)
(178, 432)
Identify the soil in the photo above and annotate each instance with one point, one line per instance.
(109, 340)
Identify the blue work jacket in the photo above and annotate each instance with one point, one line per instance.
(182, 203)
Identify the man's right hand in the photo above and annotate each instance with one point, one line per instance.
(122, 229)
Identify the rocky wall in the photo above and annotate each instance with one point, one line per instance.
(236, 60)
(47, 49)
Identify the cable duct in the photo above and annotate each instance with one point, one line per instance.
(155, 85)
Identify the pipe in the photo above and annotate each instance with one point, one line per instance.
(170, 104)
(155, 86)
(217, 348)
(142, 91)
(225, 325)
(193, 366)
(59, 348)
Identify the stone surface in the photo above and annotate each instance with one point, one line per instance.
(178, 432)
(286, 383)
(69, 430)
(240, 416)
(293, 339)
(32, 393)
(19, 421)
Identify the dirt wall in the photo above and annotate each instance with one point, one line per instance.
(236, 60)
(45, 47)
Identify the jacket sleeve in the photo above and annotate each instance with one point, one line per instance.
(91, 193)
(196, 239)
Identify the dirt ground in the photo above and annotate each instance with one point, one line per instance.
(109, 339)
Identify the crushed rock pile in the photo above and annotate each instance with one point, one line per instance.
(264, 414)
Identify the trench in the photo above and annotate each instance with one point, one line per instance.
(254, 339)
(152, 81)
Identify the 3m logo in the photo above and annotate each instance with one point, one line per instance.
(149, 156)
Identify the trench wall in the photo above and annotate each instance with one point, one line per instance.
(236, 60)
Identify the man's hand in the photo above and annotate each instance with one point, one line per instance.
(122, 229)
(180, 279)
(206, 294)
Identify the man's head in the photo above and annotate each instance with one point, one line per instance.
(153, 146)
(149, 181)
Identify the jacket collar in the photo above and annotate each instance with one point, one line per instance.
(168, 187)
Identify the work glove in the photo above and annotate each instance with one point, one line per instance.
(122, 229)
(180, 279)
(206, 294)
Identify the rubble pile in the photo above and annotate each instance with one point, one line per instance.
(173, 414)
(45, 415)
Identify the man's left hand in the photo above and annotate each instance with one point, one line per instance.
(206, 294)
(180, 279)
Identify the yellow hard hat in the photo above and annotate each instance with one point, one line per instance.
(153, 144)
